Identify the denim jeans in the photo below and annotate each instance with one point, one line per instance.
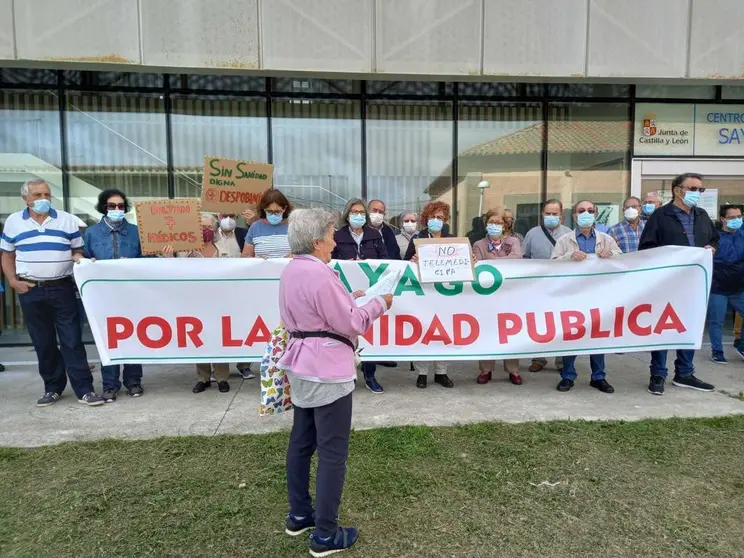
(51, 311)
(717, 306)
(682, 364)
(368, 370)
(326, 429)
(110, 375)
(596, 362)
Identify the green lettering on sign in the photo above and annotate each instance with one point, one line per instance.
(452, 290)
(498, 279)
(409, 277)
(341, 276)
(373, 274)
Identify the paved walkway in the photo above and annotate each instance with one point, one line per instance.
(168, 407)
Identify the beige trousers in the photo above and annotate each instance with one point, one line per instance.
(221, 371)
(511, 365)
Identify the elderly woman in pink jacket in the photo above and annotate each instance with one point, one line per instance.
(324, 323)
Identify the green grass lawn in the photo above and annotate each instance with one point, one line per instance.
(653, 488)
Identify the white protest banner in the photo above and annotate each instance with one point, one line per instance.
(444, 259)
(222, 310)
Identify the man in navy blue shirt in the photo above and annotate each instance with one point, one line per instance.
(679, 223)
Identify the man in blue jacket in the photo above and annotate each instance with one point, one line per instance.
(679, 223)
(727, 286)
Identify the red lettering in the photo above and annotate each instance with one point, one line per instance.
(369, 335)
(596, 318)
(188, 327)
(400, 322)
(227, 338)
(549, 328)
(166, 333)
(259, 333)
(384, 333)
(669, 320)
(572, 321)
(619, 316)
(458, 323)
(633, 326)
(436, 332)
(118, 328)
(508, 324)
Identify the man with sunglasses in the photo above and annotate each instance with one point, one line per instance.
(679, 223)
(585, 243)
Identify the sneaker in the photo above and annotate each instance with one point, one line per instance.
(564, 385)
(602, 385)
(224, 387)
(421, 381)
(344, 538)
(201, 386)
(245, 372)
(109, 395)
(656, 385)
(483, 378)
(297, 525)
(373, 385)
(92, 400)
(692, 382)
(443, 380)
(740, 351)
(135, 390)
(515, 379)
(719, 358)
(49, 398)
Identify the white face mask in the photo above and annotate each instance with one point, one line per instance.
(410, 228)
(376, 219)
(227, 224)
(631, 214)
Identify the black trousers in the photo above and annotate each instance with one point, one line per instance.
(325, 429)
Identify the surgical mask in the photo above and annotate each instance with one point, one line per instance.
(691, 199)
(734, 224)
(357, 221)
(227, 223)
(274, 219)
(585, 219)
(551, 221)
(631, 214)
(114, 215)
(207, 235)
(42, 206)
(648, 208)
(435, 225)
(410, 228)
(495, 230)
(376, 219)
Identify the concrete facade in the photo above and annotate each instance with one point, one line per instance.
(568, 39)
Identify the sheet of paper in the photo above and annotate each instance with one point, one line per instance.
(385, 285)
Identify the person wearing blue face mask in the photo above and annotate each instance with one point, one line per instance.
(267, 237)
(679, 223)
(585, 243)
(113, 238)
(727, 286)
(651, 202)
(538, 245)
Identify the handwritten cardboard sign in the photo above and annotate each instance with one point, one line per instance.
(444, 260)
(169, 222)
(231, 186)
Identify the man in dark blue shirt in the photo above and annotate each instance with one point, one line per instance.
(679, 223)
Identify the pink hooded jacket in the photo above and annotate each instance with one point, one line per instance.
(312, 298)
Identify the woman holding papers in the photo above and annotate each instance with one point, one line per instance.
(495, 246)
(433, 218)
(324, 323)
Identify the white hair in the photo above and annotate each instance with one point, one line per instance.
(32, 182)
(408, 212)
(305, 227)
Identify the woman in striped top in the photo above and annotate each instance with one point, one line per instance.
(267, 237)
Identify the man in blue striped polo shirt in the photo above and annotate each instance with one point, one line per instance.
(39, 247)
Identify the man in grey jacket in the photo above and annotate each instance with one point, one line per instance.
(538, 245)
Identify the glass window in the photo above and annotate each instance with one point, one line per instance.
(115, 140)
(225, 127)
(27, 76)
(312, 85)
(317, 151)
(735, 92)
(501, 144)
(579, 90)
(499, 89)
(676, 91)
(424, 88)
(218, 83)
(589, 156)
(29, 149)
(409, 154)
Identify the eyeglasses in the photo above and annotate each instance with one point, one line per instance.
(275, 212)
(113, 206)
(694, 189)
(356, 213)
(584, 210)
(410, 221)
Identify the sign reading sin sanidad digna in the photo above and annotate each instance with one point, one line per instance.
(231, 186)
